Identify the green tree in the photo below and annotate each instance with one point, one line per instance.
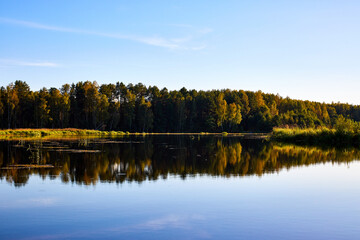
(12, 101)
(2, 107)
(42, 110)
(91, 103)
(55, 104)
(233, 115)
(102, 111)
(144, 116)
(221, 110)
(129, 110)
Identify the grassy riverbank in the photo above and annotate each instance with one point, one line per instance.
(57, 132)
(309, 136)
(320, 136)
(73, 132)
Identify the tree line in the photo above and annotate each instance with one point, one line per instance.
(137, 108)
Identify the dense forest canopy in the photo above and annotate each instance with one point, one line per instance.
(137, 108)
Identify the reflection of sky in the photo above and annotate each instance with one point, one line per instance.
(30, 202)
(318, 201)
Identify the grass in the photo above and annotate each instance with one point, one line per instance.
(56, 132)
(319, 136)
(74, 132)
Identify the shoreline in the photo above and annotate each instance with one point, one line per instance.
(73, 132)
(316, 137)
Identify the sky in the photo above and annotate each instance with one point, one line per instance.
(304, 49)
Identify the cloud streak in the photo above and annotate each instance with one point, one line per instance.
(12, 62)
(153, 41)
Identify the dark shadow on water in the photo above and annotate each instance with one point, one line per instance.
(89, 161)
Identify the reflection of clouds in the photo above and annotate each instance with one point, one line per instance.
(43, 201)
(170, 221)
(60, 236)
(177, 222)
(164, 222)
(183, 223)
(188, 223)
(32, 202)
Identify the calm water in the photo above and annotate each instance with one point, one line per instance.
(169, 187)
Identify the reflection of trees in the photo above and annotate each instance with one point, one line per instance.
(158, 157)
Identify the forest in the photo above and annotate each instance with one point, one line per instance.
(138, 108)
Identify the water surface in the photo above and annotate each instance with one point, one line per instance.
(177, 187)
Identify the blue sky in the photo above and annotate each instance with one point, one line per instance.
(301, 49)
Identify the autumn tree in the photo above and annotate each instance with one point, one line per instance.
(12, 101)
(221, 110)
(144, 116)
(140, 108)
(42, 109)
(233, 116)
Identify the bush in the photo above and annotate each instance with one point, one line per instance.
(321, 136)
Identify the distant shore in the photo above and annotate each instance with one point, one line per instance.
(309, 136)
(74, 132)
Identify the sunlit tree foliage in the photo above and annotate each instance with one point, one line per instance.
(137, 108)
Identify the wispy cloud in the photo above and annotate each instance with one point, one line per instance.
(153, 41)
(36, 25)
(206, 30)
(12, 62)
(179, 25)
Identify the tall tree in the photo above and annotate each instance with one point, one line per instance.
(42, 109)
(12, 101)
(144, 116)
(129, 110)
(221, 110)
(233, 115)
